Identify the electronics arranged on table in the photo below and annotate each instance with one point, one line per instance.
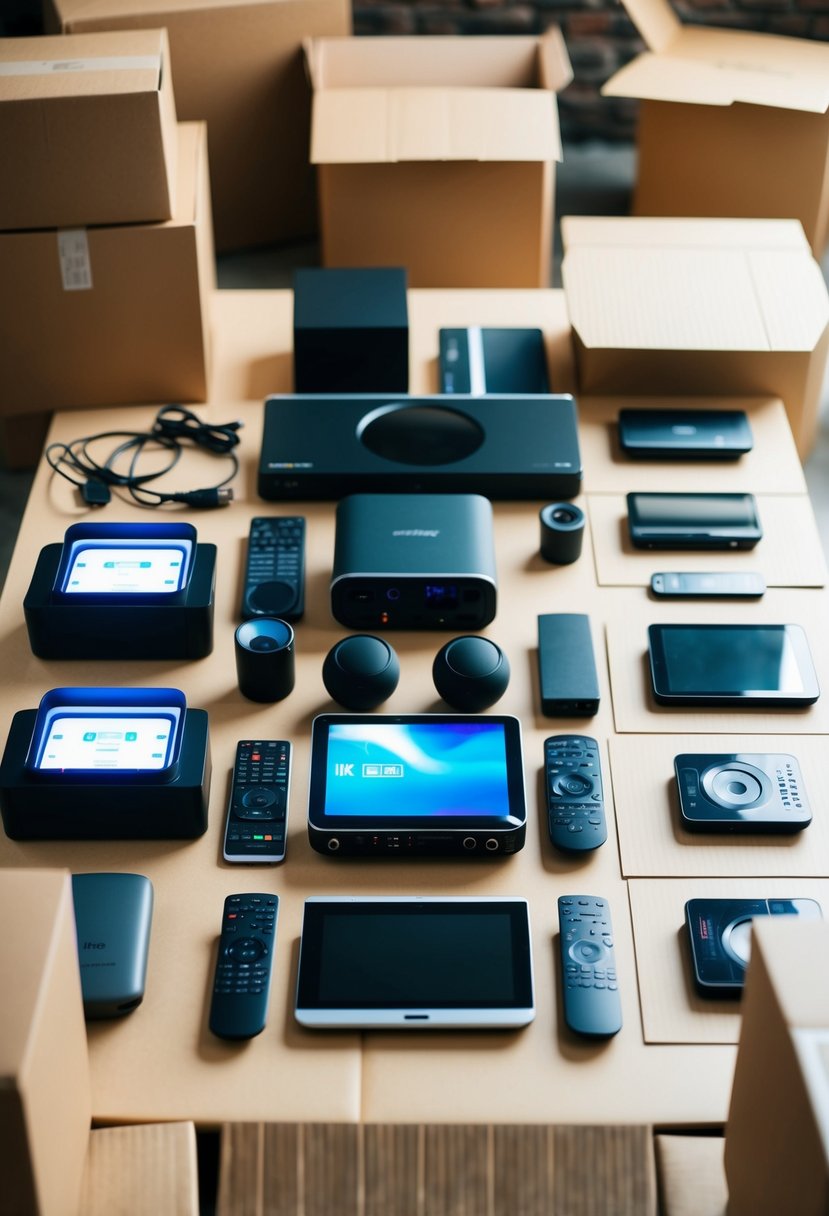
(573, 789)
(242, 980)
(256, 826)
(590, 988)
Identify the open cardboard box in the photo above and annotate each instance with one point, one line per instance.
(88, 130)
(731, 123)
(705, 306)
(237, 65)
(112, 314)
(777, 1139)
(438, 154)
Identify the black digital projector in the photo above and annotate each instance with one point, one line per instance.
(414, 561)
(509, 446)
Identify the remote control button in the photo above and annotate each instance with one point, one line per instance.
(272, 598)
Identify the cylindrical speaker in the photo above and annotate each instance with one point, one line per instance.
(361, 672)
(562, 533)
(265, 659)
(470, 673)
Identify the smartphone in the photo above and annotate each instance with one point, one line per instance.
(713, 584)
(693, 521)
(481, 361)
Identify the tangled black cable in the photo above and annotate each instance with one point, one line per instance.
(173, 427)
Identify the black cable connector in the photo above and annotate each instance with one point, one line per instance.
(95, 493)
(218, 496)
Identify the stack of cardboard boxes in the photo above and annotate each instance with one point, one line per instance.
(106, 247)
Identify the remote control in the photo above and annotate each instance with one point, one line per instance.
(275, 569)
(242, 984)
(257, 814)
(573, 785)
(588, 966)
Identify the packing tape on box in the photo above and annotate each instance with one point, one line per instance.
(110, 63)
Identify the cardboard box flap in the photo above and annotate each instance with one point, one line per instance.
(456, 62)
(129, 61)
(795, 954)
(371, 125)
(655, 20)
(812, 1047)
(692, 285)
(721, 67)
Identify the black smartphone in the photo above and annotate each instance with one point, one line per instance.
(693, 521)
(709, 585)
(685, 434)
(743, 666)
(479, 361)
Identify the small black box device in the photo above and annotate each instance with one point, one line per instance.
(476, 361)
(412, 785)
(693, 521)
(719, 935)
(123, 591)
(113, 915)
(505, 446)
(106, 764)
(567, 675)
(685, 434)
(414, 561)
(351, 331)
(741, 792)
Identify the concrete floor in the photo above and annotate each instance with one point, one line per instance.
(594, 179)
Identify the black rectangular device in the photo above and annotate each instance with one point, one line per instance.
(711, 584)
(693, 521)
(719, 935)
(568, 682)
(113, 916)
(668, 434)
(414, 561)
(416, 784)
(741, 792)
(351, 330)
(513, 446)
(479, 360)
(415, 963)
(741, 666)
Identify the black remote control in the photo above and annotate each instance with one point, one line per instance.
(588, 966)
(275, 569)
(242, 984)
(257, 814)
(573, 785)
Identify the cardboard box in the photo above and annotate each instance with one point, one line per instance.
(102, 316)
(725, 307)
(146, 1170)
(777, 1137)
(437, 154)
(45, 1101)
(88, 130)
(731, 123)
(237, 64)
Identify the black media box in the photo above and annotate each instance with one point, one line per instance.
(414, 561)
(106, 810)
(508, 446)
(176, 626)
(351, 331)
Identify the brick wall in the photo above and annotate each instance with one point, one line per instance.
(600, 38)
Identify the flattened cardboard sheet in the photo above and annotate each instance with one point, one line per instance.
(672, 1011)
(789, 555)
(772, 464)
(652, 843)
(634, 708)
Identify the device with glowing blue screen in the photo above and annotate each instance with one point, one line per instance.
(123, 590)
(106, 763)
(389, 785)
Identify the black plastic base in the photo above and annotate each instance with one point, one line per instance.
(403, 842)
(60, 630)
(49, 810)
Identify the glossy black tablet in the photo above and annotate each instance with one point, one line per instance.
(693, 521)
(415, 963)
(685, 434)
(731, 665)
